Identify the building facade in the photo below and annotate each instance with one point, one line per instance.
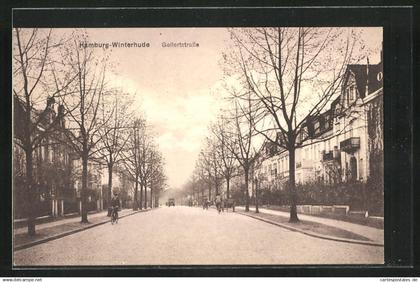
(55, 165)
(345, 142)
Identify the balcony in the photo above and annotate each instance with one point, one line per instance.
(330, 156)
(350, 145)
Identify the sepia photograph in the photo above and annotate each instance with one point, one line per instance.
(198, 146)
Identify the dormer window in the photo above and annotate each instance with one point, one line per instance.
(327, 121)
(351, 94)
(316, 127)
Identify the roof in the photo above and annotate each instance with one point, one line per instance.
(364, 75)
(42, 118)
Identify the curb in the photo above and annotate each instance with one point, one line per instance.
(60, 235)
(49, 219)
(312, 234)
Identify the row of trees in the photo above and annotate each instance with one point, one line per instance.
(277, 80)
(100, 126)
(232, 148)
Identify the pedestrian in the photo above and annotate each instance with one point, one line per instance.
(218, 201)
(223, 204)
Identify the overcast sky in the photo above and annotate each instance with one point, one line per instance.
(178, 89)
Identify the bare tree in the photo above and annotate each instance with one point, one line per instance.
(205, 172)
(151, 168)
(33, 65)
(211, 165)
(213, 160)
(157, 177)
(113, 135)
(132, 158)
(293, 74)
(143, 162)
(148, 157)
(83, 104)
(199, 180)
(242, 139)
(227, 159)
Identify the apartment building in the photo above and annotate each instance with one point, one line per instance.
(55, 166)
(345, 141)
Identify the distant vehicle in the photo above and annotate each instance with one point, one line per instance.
(171, 202)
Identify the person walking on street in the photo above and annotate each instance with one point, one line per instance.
(218, 202)
(223, 204)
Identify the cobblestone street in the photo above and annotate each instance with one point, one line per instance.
(183, 235)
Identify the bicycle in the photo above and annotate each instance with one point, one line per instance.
(114, 215)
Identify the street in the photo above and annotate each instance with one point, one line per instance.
(184, 236)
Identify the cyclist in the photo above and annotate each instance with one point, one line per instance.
(115, 204)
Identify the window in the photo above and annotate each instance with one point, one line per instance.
(43, 153)
(327, 121)
(351, 93)
(316, 127)
(353, 169)
(361, 169)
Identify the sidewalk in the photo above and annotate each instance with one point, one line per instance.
(56, 229)
(375, 235)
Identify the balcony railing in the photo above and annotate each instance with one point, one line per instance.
(330, 155)
(350, 145)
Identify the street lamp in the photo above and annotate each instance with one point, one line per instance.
(256, 195)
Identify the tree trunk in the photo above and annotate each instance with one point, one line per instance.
(136, 189)
(209, 192)
(292, 187)
(157, 200)
(256, 196)
(141, 197)
(151, 197)
(145, 196)
(84, 187)
(246, 190)
(110, 165)
(227, 187)
(31, 200)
